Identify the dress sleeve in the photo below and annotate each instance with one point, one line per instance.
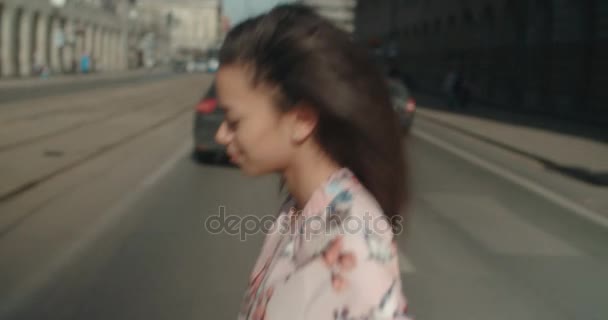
(355, 276)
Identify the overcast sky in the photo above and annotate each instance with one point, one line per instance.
(237, 10)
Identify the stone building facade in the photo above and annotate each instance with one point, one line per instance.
(195, 24)
(35, 33)
(341, 12)
(533, 56)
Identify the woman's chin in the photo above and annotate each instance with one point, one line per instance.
(249, 171)
(253, 171)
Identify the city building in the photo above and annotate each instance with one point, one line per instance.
(530, 56)
(194, 24)
(341, 12)
(52, 35)
(149, 37)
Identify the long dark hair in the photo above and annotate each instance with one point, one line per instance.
(308, 59)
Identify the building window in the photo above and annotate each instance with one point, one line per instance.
(488, 15)
(467, 17)
(451, 21)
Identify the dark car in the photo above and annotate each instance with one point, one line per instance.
(207, 120)
(403, 103)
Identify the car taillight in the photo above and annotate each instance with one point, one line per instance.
(206, 106)
(410, 105)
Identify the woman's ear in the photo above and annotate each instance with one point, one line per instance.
(305, 121)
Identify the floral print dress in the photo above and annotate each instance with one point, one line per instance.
(336, 259)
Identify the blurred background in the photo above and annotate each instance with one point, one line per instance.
(109, 171)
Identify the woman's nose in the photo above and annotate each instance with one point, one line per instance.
(222, 136)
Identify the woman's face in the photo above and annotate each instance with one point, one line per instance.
(256, 135)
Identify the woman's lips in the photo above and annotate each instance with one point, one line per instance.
(233, 158)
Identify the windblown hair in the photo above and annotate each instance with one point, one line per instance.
(308, 59)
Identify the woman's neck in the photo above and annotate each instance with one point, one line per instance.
(306, 174)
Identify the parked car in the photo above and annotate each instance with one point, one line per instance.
(403, 103)
(213, 60)
(198, 65)
(207, 119)
(213, 64)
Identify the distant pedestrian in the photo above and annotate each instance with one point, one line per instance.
(449, 88)
(456, 89)
(85, 63)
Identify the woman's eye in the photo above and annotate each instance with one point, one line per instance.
(232, 124)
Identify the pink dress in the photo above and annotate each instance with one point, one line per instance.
(335, 260)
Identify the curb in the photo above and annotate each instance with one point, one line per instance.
(583, 175)
(51, 89)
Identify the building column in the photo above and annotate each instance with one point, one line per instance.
(98, 48)
(105, 44)
(117, 49)
(113, 50)
(26, 35)
(55, 45)
(68, 47)
(132, 44)
(79, 39)
(89, 42)
(124, 50)
(9, 40)
(42, 41)
(106, 50)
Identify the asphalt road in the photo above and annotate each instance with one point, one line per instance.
(120, 233)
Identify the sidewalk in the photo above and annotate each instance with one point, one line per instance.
(59, 79)
(13, 90)
(574, 150)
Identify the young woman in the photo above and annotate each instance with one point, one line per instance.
(303, 100)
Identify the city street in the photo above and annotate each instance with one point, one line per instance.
(102, 216)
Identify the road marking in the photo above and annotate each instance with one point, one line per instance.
(405, 265)
(519, 180)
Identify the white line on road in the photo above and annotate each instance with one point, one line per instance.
(519, 180)
(39, 280)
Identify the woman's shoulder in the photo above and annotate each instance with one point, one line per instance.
(346, 209)
(355, 206)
